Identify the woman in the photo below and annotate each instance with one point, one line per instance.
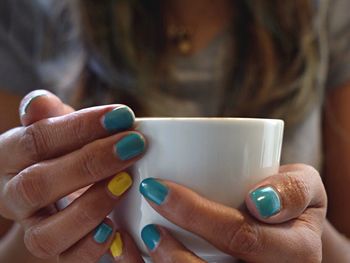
(178, 58)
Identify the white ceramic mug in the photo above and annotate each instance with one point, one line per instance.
(220, 158)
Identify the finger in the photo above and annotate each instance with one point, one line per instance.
(41, 104)
(164, 248)
(50, 236)
(286, 195)
(53, 137)
(235, 232)
(91, 247)
(124, 249)
(46, 182)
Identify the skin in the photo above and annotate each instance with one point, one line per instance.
(84, 155)
(246, 235)
(204, 18)
(306, 208)
(300, 226)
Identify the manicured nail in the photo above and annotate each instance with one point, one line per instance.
(266, 201)
(117, 246)
(130, 146)
(106, 258)
(119, 119)
(26, 103)
(102, 233)
(150, 236)
(119, 184)
(153, 190)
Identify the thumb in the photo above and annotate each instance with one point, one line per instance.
(41, 104)
(287, 195)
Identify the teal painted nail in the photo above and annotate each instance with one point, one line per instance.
(102, 233)
(266, 201)
(119, 119)
(153, 190)
(106, 258)
(130, 146)
(150, 236)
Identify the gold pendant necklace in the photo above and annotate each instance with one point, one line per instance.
(181, 38)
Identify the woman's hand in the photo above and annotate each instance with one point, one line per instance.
(48, 159)
(284, 222)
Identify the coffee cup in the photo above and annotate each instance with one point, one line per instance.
(219, 158)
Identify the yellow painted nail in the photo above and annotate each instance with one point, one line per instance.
(117, 246)
(120, 183)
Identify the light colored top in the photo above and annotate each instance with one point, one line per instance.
(28, 27)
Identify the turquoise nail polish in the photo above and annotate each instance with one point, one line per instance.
(150, 236)
(106, 258)
(266, 201)
(119, 119)
(153, 190)
(102, 233)
(130, 146)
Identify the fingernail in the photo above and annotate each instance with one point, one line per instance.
(106, 258)
(266, 201)
(119, 184)
(119, 119)
(27, 101)
(102, 233)
(153, 190)
(117, 246)
(130, 146)
(150, 236)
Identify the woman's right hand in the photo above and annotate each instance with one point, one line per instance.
(50, 158)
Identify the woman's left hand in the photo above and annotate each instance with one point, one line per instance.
(284, 222)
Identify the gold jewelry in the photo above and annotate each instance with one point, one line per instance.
(181, 38)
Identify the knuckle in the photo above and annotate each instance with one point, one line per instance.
(89, 164)
(91, 211)
(297, 190)
(89, 215)
(78, 127)
(35, 142)
(29, 188)
(39, 244)
(309, 170)
(191, 211)
(244, 240)
(322, 200)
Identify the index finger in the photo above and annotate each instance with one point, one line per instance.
(56, 136)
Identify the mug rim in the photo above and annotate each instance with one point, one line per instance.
(208, 119)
